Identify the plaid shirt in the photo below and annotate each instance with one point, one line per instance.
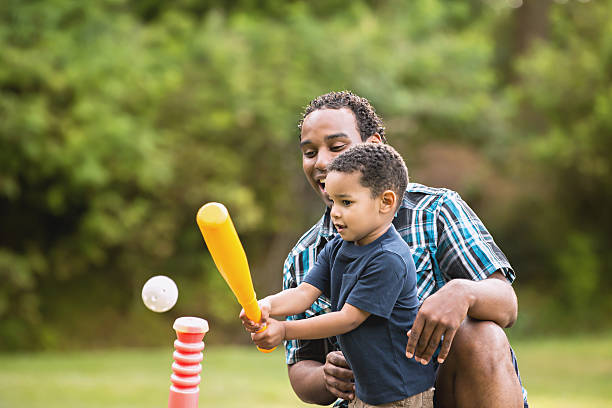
(447, 240)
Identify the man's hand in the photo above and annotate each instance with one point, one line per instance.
(339, 379)
(272, 336)
(438, 318)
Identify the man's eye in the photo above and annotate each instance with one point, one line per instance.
(309, 153)
(337, 148)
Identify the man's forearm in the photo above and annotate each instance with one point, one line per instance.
(490, 299)
(308, 382)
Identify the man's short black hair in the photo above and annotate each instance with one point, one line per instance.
(381, 167)
(368, 122)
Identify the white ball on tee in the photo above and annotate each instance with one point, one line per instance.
(159, 293)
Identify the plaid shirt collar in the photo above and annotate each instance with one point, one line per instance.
(327, 230)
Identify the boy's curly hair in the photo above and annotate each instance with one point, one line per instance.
(368, 121)
(381, 167)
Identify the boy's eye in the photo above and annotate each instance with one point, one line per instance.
(346, 203)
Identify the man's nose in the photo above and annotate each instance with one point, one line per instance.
(323, 158)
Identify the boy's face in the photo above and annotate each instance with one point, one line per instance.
(325, 134)
(355, 214)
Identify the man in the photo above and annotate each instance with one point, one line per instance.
(463, 278)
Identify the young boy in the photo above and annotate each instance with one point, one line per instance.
(368, 273)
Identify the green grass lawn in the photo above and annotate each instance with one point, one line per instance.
(567, 372)
(574, 372)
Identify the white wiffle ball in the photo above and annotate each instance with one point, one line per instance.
(159, 294)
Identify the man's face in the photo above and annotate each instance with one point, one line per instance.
(325, 134)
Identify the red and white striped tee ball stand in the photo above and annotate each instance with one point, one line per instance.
(187, 366)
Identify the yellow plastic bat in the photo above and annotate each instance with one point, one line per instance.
(228, 253)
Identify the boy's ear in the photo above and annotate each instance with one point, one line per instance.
(388, 201)
(375, 138)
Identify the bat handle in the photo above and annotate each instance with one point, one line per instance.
(263, 350)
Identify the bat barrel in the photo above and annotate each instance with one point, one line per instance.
(224, 245)
(212, 215)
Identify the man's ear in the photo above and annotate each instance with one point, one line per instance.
(388, 201)
(375, 138)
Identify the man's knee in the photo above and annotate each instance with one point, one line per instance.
(479, 369)
(480, 342)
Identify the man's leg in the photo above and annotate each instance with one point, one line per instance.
(478, 371)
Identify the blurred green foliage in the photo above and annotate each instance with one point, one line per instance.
(564, 93)
(119, 119)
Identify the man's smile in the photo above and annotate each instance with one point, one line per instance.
(321, 184)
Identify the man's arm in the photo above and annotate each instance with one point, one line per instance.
(489, 299)
(309, 383)
(441, 314)
(494, 300)
(478, 279)
(317, 383)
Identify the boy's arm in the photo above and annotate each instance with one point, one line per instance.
(291, 301)
(284, 303)
(327, 325)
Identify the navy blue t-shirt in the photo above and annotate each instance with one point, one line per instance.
(379, 278)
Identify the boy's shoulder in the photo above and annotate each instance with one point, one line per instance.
(395, 247)
(393, 242)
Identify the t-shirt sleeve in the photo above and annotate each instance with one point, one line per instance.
(465, 247)
(379, 285)
(319, 275)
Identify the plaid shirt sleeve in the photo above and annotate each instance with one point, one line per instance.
(465, 248)
(289, 281)
(299, 350)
